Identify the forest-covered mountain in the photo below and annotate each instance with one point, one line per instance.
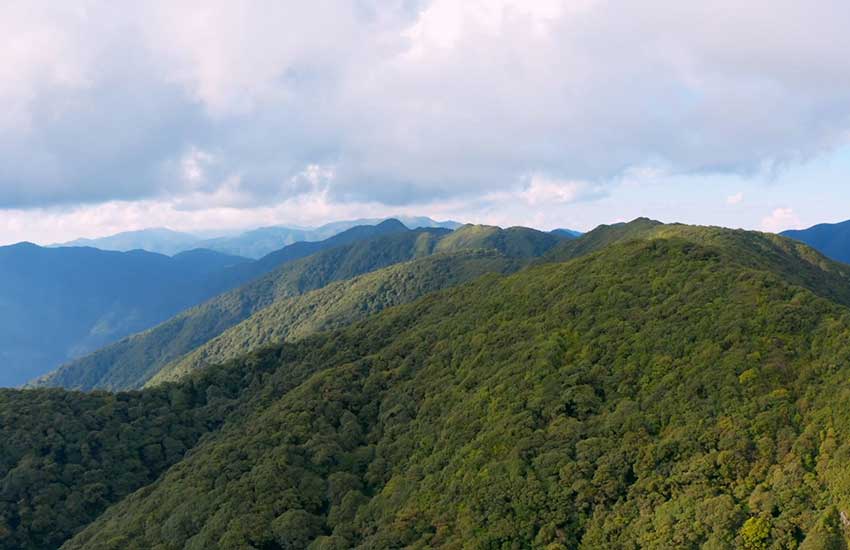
(832, 239)
(133, 361)
(60, 303)
(679, 387)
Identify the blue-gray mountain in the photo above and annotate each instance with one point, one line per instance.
(831, 239)
(58, 304)
(255, 243)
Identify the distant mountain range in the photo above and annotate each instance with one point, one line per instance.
(831, 239)
(251, 244)
(57, 304)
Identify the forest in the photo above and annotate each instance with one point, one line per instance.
(670, 387)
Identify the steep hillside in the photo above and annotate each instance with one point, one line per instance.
(60, 303)
(133, 361)
(251, 270)
(832, 239)
(659, 393)
(339, 304)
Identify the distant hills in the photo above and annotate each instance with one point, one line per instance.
(251, 244)
(641, 386)
(832, 239)
(57, 304)
(135, 360)
(60, 303)
(159, 240)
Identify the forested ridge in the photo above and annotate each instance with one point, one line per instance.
(339, 304)
(132, 362)
(678, 387)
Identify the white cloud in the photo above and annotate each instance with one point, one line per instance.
(451, 101)
(735, 199)
(781, 219)
(542, 189)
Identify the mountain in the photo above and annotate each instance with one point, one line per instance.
(566, 233)
(671, 390)
(339, 304)
(60, 303)
(831, 239)
(133, 361)
(262, 241)
(254, 244)
(159, 239)
(600, 237)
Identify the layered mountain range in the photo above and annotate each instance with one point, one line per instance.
(641, 386)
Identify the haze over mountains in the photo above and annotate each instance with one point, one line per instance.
(643, 385)
(62, 303)
(254, 244)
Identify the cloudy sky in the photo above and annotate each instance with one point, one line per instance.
(219, 115)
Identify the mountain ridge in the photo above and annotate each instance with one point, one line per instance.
(832, 239)
(254, 243)
(133, 361)
(660, 392)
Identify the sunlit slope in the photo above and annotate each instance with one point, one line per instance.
(339, 304)
(670, 392)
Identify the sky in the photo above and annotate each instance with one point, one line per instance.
(215, 116)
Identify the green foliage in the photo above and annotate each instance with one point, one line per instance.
(132, 362)
(684, 390)
(339, 304)
(592, 404)
(755, 534)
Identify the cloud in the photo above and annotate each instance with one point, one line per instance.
(215, 104)
(735, 199)
(781, 219)
(542, 189)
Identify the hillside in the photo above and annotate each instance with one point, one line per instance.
(339, 304)
(133, 361)
(60, 303)
(665, 392)
(831, 239)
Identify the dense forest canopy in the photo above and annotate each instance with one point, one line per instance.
(302, 267)
(679, 387)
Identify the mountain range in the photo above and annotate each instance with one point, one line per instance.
(135, 360)
(253, 244)
(831, 239)
(641, 386)
(59, 304)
